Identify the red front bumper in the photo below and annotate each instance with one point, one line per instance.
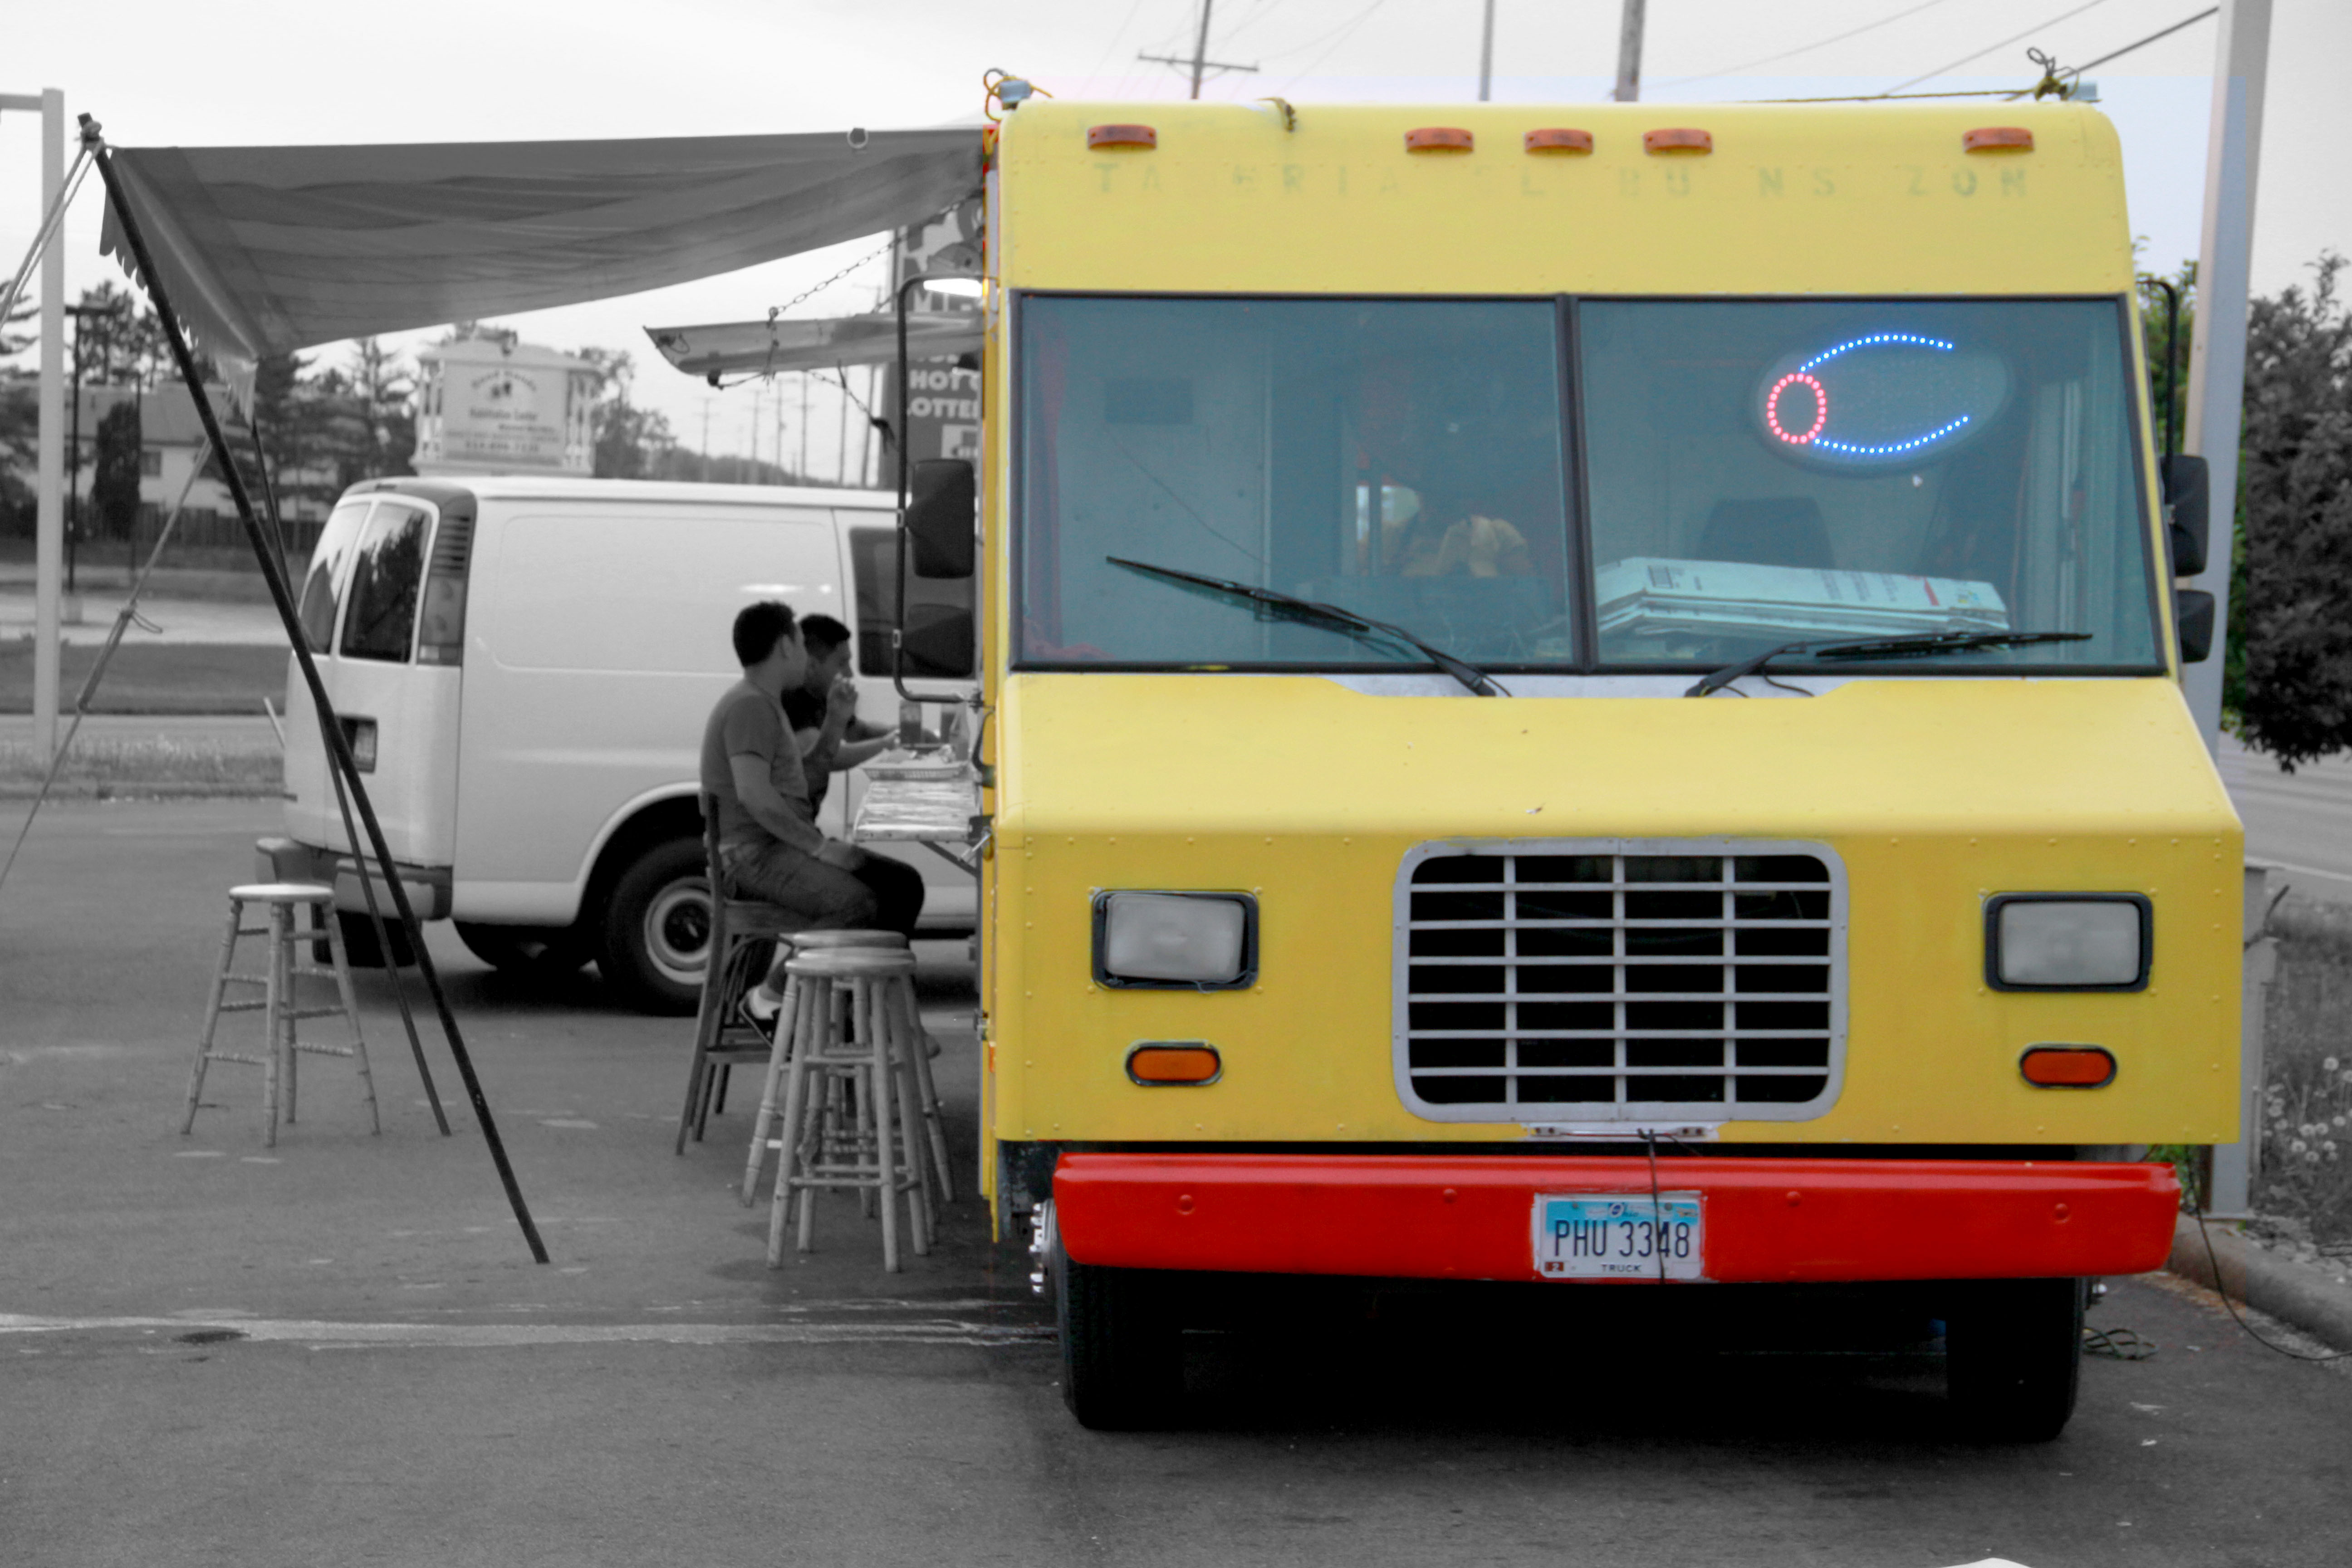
(1472, 1218)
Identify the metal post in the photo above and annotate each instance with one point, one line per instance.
(1487, 55)
(2217, 352)
(49, 528)
(1628, 54)
(1201, 49)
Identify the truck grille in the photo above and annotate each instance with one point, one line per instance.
(1576, 981)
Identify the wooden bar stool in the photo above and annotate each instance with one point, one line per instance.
(927, 1094)
(741, 929)
(848, 1105)
(780, 1052)
(279, 1003)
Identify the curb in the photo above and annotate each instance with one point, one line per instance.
(134, 789)
(2290, 1291)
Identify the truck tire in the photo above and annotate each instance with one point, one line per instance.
(656, 935)
(548, 952)
(1122, 1346)
(2013, 1357)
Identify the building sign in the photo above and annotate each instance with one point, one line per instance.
(942, 395)
(490, 406)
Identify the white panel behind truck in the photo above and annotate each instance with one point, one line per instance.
(524, 666)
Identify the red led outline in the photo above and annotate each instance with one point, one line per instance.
(1772, 408)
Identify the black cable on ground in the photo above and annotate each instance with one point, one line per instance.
(339, 747)
(2222, 1290)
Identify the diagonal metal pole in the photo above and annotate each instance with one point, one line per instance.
(339, 747)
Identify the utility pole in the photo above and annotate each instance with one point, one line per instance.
(50, 461)
(705, 475)
(1487, 55)
(2217, 350)
(1200, 64)
(1628, 54)
(803, 465)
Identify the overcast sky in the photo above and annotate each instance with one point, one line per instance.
(165, 72)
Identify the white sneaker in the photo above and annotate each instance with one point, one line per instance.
(761, 1004)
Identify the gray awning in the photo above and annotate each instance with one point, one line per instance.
(268, 249)
(763, 348)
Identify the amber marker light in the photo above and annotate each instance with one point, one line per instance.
(1142, 136)
(1438, 138)
(2067, 1067)
(1998, 139)
(1557, 139)
(1682, 140)
(1157, 1062)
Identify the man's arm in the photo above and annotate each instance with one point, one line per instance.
(768, 807)
(850, 753)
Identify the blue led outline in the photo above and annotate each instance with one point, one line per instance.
(1848, 448)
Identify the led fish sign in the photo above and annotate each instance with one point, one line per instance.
(1878, 399)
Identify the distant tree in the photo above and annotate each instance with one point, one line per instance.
(630, 441)
(2296, 514)
(384, 390)
(114, 479)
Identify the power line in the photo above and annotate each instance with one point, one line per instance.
(1803, 50)
(2119, 54)
(1338, 36)
(1990, 49)
(1131, 13)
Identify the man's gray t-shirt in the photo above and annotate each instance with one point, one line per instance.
(747, 722)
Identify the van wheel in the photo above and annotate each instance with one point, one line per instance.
(657, 929)
(2013, 1355)
(546, 951)
(1122, 1346)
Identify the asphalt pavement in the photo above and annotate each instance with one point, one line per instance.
(339, 1351)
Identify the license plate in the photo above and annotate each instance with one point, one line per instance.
(1582, 1236)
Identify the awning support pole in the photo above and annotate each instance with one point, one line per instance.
(339, 747)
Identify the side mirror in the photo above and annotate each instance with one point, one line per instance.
(2189, 503)
(2192, 616)
(937, 642)
(942, 497)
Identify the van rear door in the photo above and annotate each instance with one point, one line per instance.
(359, 613)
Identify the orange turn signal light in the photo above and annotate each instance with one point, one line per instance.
(1557, 139)
(1437, 139)
(1681, 140)
(1122, 136)
(1998, 139)
(2068, 1067)
(1174, 1062)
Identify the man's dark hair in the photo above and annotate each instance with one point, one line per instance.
(759, 628)
(822, 635)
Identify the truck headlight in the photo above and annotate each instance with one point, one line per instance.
(2068, 942)
(1197, 942)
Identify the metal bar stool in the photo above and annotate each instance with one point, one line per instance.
(279, 1003)
(848, 1110)
(764, 1125)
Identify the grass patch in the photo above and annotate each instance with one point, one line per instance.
(2306, 1164)
(148, 766)
(154, 678)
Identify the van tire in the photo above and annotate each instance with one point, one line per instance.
(548, 952)
(656, 931)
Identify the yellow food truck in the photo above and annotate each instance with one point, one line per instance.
(1587, 696)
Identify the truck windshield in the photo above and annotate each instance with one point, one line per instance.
(1401, 459)
(1757, 473)
(1766, 472)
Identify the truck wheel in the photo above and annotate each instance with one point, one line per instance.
(549, 953)
(657, 929)
(1122, 1348)
(2013, 1355)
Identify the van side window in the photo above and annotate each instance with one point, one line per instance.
(317, 611)
(874, 561)
(386, 579)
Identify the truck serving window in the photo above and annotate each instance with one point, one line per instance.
(1767, 471)
(380, 622)
(1400, 458)
(317, 610)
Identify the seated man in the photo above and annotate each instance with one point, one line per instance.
(822, 711)
(768, 845)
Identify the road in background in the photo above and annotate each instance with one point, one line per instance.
(2300, 821)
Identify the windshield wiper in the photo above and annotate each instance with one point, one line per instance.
(1926, 645)
(1310, 612)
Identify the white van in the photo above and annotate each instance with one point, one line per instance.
(523, 667)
